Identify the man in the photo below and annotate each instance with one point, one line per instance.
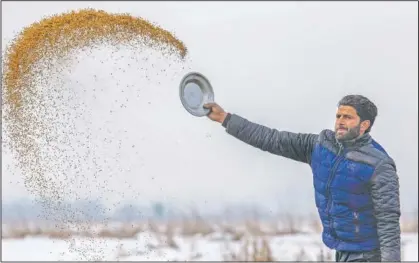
(355, 180)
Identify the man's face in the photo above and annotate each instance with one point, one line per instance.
(348, 124)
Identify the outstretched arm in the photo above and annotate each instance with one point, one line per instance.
(385, 197)
(295, 146)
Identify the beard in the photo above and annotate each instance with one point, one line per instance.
(352, 133)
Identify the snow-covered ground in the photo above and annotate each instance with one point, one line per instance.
(148, 246)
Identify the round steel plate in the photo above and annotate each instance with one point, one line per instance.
(195, 90)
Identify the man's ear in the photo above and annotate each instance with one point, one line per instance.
(365, 125)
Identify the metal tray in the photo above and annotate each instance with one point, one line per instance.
(195, 90)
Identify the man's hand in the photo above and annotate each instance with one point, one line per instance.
(216, 112)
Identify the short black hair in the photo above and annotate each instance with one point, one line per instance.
(365, 108)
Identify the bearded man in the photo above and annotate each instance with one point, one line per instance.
(355, 181)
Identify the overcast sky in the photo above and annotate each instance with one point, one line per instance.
(281, 64)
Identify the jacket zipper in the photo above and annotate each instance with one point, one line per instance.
(329, 182)
(356, 224)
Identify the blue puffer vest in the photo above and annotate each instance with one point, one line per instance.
(342, 195)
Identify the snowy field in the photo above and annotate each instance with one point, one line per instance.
(192, 241)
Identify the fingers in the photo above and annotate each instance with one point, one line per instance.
(210, 105)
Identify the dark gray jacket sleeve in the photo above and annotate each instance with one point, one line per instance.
(386, 202)
(295, 146)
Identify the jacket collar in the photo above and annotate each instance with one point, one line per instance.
(357, 142)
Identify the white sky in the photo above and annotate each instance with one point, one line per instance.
(282, 64)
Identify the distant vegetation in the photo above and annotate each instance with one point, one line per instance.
(131, 210)
(24, 210)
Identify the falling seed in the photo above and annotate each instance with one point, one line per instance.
(32, 122)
